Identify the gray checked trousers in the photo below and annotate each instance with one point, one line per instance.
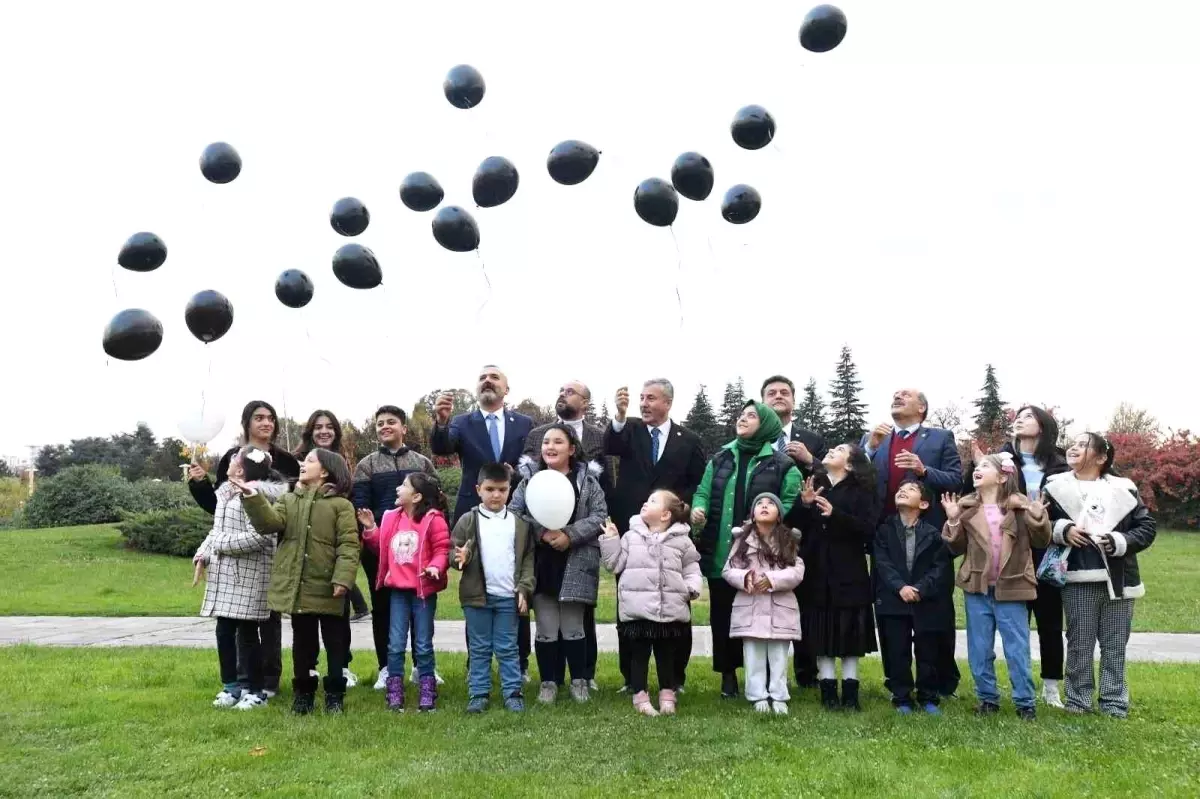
(1094, 618)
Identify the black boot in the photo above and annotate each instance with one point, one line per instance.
(334, 703)
(850, 695)
(304, 691)
(549, 656)
(729, 685)
(829, 694)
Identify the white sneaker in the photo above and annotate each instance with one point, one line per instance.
(314, 673)
(525, 677)
(351, 678)
(762, 707)
(268, 693)
(1050, 694)
(251, 700)
(438, 678)
(226, 699)
(381, 683)
(592, 686)
(414, 678)
(779, 708)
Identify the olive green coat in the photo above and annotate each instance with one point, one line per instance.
(318, 549)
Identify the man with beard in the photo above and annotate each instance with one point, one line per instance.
(489, 434)
(572, 403)
(907, 450)
(806, 448)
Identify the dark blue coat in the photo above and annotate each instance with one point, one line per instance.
(467, 437)
(932, 575)
(937, 450)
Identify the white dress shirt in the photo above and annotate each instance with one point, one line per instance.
(664, 429)
(497, 551)
(576, 426)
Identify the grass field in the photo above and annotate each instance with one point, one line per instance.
(86, 571)
(137, 722)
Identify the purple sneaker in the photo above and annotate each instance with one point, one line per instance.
(428, 693)
(395, 693)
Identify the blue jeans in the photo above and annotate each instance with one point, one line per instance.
(493, 629)
(409, 610)
(984, 616)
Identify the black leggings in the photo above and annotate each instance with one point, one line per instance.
(1048, 610)
(381, 607)
(308, 631)
(727, 654)
(240, 636)
(666, 661)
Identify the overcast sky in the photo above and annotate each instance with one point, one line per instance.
(958, 183)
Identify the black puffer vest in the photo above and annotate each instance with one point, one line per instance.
(766, 478)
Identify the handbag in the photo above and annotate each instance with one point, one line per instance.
(1053, 568)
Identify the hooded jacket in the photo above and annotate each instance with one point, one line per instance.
(659, 572)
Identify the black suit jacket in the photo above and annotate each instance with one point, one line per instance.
(593, 450)
(680, 467)
(816, 445)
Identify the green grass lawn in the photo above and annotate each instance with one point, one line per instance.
(137, 722)
(86, 571)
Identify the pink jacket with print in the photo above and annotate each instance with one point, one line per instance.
(770, 616)
(406, 548)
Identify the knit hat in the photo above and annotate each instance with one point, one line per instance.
(770, 496)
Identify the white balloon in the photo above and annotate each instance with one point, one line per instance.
(202, 428)
(550, 499)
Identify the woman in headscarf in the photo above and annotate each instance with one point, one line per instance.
(742, 470)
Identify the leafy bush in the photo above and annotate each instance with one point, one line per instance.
(451, 477)
(167, 532)
(163, 495)
(12, 497)
(81, 495)
(1166, 472)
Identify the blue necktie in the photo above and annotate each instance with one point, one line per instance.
(781, 444)
(654, 434)
(494, 436)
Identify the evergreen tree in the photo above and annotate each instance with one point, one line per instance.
(702, 421)
(731, 409)
(810, 413)
(991, 420)
(589, 415)
(847, 413)
(604, 419)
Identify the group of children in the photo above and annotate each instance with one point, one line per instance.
(297, 552)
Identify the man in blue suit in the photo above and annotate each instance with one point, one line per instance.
(908, 450)
(489, 434)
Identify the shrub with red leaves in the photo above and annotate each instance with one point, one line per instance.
(1167, 474)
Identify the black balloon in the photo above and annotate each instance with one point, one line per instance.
(220, 163)
(753, 127)
(692, 176)
(572, 162)
(455, 229)
(420, 191)
(356, 266)
(656, 202)
(132, 334)
(464, 86)
(495, 182)
(143, 252)
(294, 288)
(209, 315)
(823, 29)
(741, 204)
(349, 216)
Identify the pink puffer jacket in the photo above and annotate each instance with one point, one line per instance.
(659, 572)
(774, 615)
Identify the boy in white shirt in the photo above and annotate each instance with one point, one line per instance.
(494, 550)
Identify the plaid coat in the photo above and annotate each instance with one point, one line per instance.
(239, 559)
(582, 578)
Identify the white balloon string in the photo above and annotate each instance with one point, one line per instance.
(487, 280)
(114, 282)
(207, 380)
(679, 273)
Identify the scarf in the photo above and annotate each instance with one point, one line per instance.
(769, 429)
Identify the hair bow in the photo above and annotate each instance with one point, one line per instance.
(1006, 462)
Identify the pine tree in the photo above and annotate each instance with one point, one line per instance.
(702, 421)
(604, 419)
(810, 413)
(731, 409)
(847, 413)
(589, 415)
(991, 420)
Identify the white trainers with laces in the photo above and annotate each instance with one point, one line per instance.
(250, 700)
(381, 683)
(226, 699)
(762, 707)
(414, 678)
(1050, 694)
(779, 708)
(351, 678)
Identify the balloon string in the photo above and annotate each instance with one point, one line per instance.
(778, 149)
(114, 282)
(679, 273)
(204, 388)
(488, 280)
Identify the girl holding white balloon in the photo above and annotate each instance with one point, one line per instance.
(564, 505)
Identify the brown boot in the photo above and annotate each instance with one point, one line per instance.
(666, 702)
(641, 703)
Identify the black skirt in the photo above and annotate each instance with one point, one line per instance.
(642, 630)
(839, 632)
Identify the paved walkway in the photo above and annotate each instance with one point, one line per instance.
(449, 636)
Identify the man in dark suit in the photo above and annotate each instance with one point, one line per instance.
(806, 448)
(489, 434)
(905, 450)
(571, 406)
(655, 453)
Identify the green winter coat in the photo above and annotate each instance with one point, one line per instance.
(715, 536)
(472, 588)
(318, 549)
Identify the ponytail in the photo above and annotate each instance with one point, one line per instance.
(432, 497)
